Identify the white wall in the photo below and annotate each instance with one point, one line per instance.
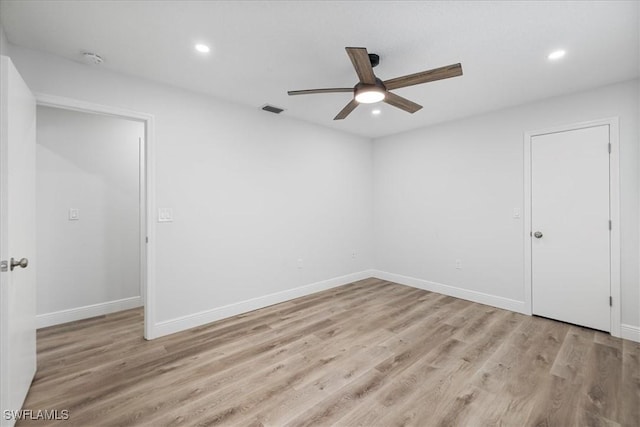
(4, 43)
(88, 162)
(448, 192)
(251, 192)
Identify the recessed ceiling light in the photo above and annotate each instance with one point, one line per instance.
(557, 54)
(202, 48)
(92, 58)
(375, 112)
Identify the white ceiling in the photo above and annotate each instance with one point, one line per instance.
(262, 49)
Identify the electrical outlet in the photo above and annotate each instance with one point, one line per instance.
(165, 215)
(459, 264)
(299, 263)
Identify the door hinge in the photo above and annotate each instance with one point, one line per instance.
(609, 148)
(610, 225)
(610, 301)
(146, 239)
(4, 265)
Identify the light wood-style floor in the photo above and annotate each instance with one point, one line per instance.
(371, 353)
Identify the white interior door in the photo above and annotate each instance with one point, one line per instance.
(17, 240)
(570, 246)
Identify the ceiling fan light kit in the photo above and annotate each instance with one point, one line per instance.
(370, 94)
(371, 89)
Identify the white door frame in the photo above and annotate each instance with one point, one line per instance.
(614, 212)
(147, 194)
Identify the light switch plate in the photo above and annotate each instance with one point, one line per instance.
(165, 215)
(74, 214)
(516, 212)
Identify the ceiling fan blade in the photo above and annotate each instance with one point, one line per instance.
(360, 59)
(346, 110)
(453, 70)
(328, 90)
(402, 103)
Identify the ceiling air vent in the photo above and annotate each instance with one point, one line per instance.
(272, 109)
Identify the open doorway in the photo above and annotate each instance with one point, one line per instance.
(92, 209)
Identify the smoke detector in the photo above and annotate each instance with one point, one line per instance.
(92, 58)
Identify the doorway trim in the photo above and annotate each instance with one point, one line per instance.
(614, 212)
(147, 193)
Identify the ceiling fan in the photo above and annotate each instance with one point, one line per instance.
(371, 89)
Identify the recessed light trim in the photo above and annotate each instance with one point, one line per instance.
(557, 54)
(202, 48)
(92, 58)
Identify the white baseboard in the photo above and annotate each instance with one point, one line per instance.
(79, 313)
(629, 332)
(202, 318)
(482, 298)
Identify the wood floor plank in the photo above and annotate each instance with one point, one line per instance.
(456, 365)
(332, 408)
(630, 409)
(149, 400)
(526, 377)
(571, 359)
(317, 388)
(371, 353)
(601, 390)
(339, 368)
(254, 366)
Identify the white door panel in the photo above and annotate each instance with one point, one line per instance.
(570, 207)
(17, 239)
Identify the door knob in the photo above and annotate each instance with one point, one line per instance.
(537, 234)
(22, 263)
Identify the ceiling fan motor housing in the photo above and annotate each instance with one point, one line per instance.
(379, 85)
